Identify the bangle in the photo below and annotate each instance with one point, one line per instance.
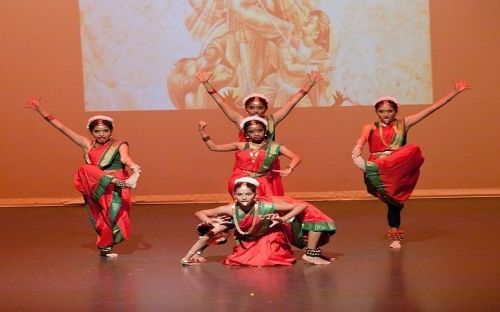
(304, 92)
(212, 91)
(205, 138)
(49, 117)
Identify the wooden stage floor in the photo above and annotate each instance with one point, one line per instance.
(449, 262)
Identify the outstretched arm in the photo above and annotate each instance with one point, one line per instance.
(459, 86)
(292, 210)
(194, 253)
(217, 147)
(294, 161)
(280, 114)
(209, 216)
(204, 76)
(34, 104)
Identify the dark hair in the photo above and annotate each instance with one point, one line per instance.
(392, 103)
(262, 100)
(252, 187)
(97, 122)
(253, 122)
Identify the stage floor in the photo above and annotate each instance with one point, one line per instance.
(449, 262)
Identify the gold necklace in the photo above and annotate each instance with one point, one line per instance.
(381, 133)
(254, 220)
(255, 150)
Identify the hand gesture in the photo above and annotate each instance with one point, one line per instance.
(284, 172)
(461, 85)
(276, 217)
(230, 98)
(220, 220)
(202, 125)
(339, 98)
(203, 75)
(356, 151)
(197, 258)
(314, 76)
(33, 103)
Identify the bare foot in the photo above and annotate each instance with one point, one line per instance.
(328, 258)
(131, 182)
(315, 260)
(108, 254)
(395, 244)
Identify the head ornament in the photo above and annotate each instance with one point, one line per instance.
(247, 180)
(98, 117)
(250, 118)
(387, 98)
(253, 95)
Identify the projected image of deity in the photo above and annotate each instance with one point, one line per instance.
(143, 55)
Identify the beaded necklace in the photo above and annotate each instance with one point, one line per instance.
(381, 133)
(255, 149)
(254, 219)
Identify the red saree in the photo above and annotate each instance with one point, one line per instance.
(108, 206)
(263, 245)
(274, 180)
(258, 165)
(393, 168)
(311, 219)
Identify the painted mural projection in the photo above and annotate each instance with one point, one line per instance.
(142, 55)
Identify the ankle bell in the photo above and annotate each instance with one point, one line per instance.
(395, 235)
(313, 252)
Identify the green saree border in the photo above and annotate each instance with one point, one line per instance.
(399, 137)
(299, 228)
(101, 186)
(375, 185)
(109, 154)
(263, 208)
(116, 204)
(272, 152)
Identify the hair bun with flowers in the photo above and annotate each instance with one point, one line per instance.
(98, 117)
(248, 180)
(250, 118)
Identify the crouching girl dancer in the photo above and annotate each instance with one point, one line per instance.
(263, 234)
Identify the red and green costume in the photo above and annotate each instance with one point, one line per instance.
(266, 246)
(258, 165)
(274, 178)
(393, 168)
(108, 205)
(311, 219)
(263, 245)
